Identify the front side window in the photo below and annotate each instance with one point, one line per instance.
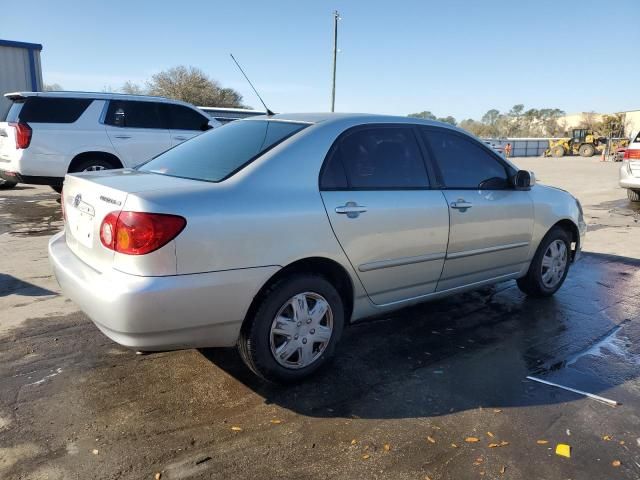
(463, 164)
(135, 114)
(51, 110)
(185, 118)
(376, 158)
(219, 153)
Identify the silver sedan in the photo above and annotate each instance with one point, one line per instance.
(272, 233)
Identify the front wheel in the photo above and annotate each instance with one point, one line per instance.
(587, 150)
(6, 184)
(294, 330)
(557, 151)
(549, 266)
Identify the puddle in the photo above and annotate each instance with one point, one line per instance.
(36, 217)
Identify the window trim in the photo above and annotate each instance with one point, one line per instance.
(442, 186)
(366, 126)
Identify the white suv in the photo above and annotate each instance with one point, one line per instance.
(630, 169)
(48, 134)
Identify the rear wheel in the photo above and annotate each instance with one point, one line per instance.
(633, 195)
(587, 150)
(549, 266)
(557, 151)
(6, 184)
(294, 330)
(92, 165)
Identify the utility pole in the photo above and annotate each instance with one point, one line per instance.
(336, 17)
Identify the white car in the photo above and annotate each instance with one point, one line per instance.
(49, 134)
(630, 169)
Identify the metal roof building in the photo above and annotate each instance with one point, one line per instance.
(20, 70)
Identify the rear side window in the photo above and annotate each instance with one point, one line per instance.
(135, 114)
(14, 111)
(52, 110)
(463, 164)
(185, 118)
(219, 153)
(376, 158)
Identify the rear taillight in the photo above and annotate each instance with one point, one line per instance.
(23, 134)
(139, 233)
(632, 154)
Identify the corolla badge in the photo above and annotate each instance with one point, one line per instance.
(77, 200)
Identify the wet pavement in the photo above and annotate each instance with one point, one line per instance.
(405, 397)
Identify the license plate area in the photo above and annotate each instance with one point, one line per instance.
(80, 219)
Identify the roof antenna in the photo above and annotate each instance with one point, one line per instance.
(269, 112)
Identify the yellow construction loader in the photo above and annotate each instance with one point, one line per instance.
(583, 142)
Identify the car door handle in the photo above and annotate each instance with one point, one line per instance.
(461, 205)
(180, 138)
(123, 137)
(351, 209)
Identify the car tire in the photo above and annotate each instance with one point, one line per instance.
(263, 334)
(7, 185)
(548, 270)
(557, 151)
(92, 165)
(633, 195)
(587, 150)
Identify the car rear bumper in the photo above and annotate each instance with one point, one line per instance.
(30, 179)
(159, 313)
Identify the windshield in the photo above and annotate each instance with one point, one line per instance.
(221, 152)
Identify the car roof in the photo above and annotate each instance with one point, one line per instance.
(93, 96)
(319, 117)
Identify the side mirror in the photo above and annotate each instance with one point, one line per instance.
(524, 180)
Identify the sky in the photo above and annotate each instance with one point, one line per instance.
(451, 57)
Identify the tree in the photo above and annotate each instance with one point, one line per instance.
(52, 87)
(477, 128)
(449, 119)
(132, 88)
(189, 84)
(589, 120)
(426, 115)
(491, 117)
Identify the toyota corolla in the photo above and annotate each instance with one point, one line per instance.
(272, 233)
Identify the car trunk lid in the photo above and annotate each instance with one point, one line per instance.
(86, 203)
(89, 197)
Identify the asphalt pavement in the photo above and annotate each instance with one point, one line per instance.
(435, 391)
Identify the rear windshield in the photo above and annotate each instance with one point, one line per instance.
(221, 152)
(48, 110)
